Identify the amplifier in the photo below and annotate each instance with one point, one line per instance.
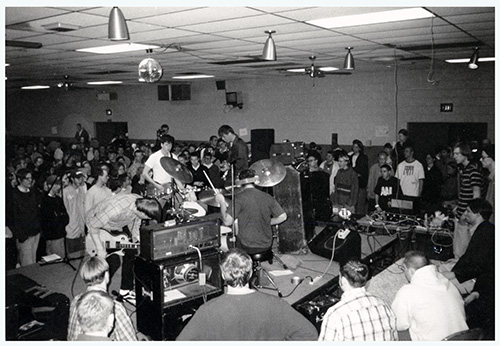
(159, 242)
(287, 153)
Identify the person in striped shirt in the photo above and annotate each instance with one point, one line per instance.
(359, 315)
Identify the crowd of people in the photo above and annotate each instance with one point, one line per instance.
(59, 199)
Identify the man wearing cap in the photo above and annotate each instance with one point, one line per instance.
(256, 212)
(74, 201)
(54, 217)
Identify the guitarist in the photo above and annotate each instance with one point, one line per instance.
(114, 213)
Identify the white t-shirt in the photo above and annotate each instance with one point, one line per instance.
(159, 174)
(409, 175)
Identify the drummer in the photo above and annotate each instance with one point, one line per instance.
(161, 180)
(255, 210)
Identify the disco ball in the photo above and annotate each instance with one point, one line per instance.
(150, 71)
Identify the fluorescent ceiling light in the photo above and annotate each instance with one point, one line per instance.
(466, 60)
(117, 48)
(105, 82)
(328, 68)
(7, 65)
(298, 70)
(35, 87)
(193, 76)
(372, 18)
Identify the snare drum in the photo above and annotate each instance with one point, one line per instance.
(194, 208)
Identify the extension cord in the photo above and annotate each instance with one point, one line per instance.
(315, 280)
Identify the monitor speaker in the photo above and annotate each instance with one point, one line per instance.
(345, 249)
(221, 84)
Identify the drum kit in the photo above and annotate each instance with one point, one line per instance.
(268, 173)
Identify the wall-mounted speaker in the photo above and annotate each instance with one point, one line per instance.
(221, 84)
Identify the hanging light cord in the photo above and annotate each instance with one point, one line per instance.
(430, 75)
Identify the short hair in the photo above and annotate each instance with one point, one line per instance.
(409, 146)
(225, 129)
(415, 259)
(167, 139)
(382, 153)
(114, 183)
(404, 132)
(94, 270)
(338, 153)
(246, 173)
(138, 151)
(212, 137)
(165, 126)
(93, 309)
(359, 144)
(464, 149)
(388, 145)
(482, 207)
(22, 173)
(100, 170)
(150, 207)
(355, 272)
(386, 166)
(236, 267)
(196, 154)
(345, 156)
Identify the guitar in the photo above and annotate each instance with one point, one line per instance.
(117, 241)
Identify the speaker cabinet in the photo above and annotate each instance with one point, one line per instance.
(345, 249)
(221, 84)
(262, 140)
(169, 292)
(288, 194)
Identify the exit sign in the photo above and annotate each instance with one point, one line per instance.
(446, 107)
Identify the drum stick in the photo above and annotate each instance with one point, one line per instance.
(210, 181)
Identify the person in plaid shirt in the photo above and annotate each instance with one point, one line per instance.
(95, 273)
(113, 214)
(359, 315)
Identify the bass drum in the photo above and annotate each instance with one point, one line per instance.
(193, 208)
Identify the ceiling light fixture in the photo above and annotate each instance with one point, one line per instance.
(466, 60)
(193, 76)
(35, 87)
(61, 27)
(269, 52)
(117, 48)
(372, 18)
(105, 82)
(473, 59)
(349, 60)
(117, 27)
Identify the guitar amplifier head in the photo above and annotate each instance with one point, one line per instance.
(159, 242)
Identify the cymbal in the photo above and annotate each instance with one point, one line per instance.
(269, 172)
(208, 197)
(176, 169)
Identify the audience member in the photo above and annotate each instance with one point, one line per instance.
(23, 218)
(373, 175)
(387, 188)
(443, 159)
(449, 190)
(243, 314)
(411, 174)
(390, 155)
(488, 162)
(359, 162)
(346, 186)
(95, 274)
(81, 133)
(213, 170)
(95, 314)
(330, 166)
(399, 148)
(238, 150)
(54, 218)
(99, 191)
(359, 315)
(198, 171)
(430, 306)
(74, 201)
(431, 193)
